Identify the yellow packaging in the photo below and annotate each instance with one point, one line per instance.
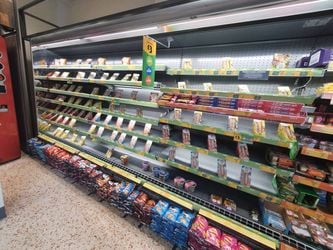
(286, 132)
(258, 127)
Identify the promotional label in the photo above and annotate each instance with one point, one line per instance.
(148, 65)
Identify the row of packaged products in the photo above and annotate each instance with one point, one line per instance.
(81, 62)
(118, 93)
(134, 77)
(261, 106)
(317, 58)
(294, 223)
(274, 158)
(171, 222)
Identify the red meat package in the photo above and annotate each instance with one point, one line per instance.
(200, 226)
(141, 199)
(213, 237)
(242, 246)
(228, 242)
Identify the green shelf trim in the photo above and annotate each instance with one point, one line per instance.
(70, 80)
(204, 209)
(115, 100)
(270, 97)
(131, 67)
(69, 66)
(102, 111)
(120, 67)
(239, 135)
(289, 72)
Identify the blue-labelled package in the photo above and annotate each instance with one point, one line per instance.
(160, 208)
(128, 189)
(215, 102)
(172, 214)
(133, 195)
(181, 233)
(31, 143)
(184, 219)
(119, 188)
(40, 151)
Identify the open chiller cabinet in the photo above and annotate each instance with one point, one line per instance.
(90, 96)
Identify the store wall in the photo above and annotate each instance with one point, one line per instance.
(65, 12)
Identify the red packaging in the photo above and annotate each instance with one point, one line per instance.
(242, 246)
(228, 242)
(213, 237)
(200, 226)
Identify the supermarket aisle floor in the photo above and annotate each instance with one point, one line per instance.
(45, 211)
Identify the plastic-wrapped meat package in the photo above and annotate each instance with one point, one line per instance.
(102, 180)
(200, 226)
(128, 203)
(213, 237)
(242, 246)
(138, 205)
(103, 191)
(228, 242)
(197, 233)
(147, 208)
(92, 177)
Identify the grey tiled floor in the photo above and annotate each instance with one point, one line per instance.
(45, 211)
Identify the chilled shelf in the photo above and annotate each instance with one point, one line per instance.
(68, 66)
(235, 112)
(115, 67)
(217, 124)
(139, 134)
(321, 128)
(313, 183)
(157, 139)
(289, 72)
(115, 100)
(252, 96)
(91, 81)
(317, 153)
(131, 67)
(229, 183)
(142, 119)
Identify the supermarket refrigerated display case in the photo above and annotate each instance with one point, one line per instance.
(94, 115)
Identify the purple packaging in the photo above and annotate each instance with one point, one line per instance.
(320, 58)
(303, 62)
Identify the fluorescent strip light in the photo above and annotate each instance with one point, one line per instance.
(59, 43)
(261, 13)
(104, 37)
(122, 32)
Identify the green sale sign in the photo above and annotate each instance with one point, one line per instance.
(148, 65)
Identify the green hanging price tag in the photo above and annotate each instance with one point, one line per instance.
(293, 150)
(148, 65)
